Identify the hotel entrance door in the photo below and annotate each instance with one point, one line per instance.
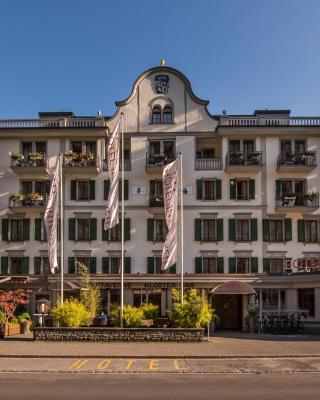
(229, 308)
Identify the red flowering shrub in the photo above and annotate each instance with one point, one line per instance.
(10, 299)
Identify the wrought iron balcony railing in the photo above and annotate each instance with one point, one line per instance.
(306, 158)
(240, 158)
(30, 200)
(30, 160)
(159, 159)
(298, 200)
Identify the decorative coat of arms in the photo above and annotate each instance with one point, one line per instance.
(161, 83)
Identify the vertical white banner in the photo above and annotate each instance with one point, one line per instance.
(170, 195)
(112, 209)
(51, 218)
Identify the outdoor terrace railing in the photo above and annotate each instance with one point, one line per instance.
(159, 159)
(30, 160)
(203, 164)
(299, 200)
(52, 123)
(240, 158)
(258, 121)
(30, 200)
(307, 158)
(73, 159)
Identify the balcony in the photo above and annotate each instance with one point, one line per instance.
(28, 201)
(32, 163)
(298, 202)
(253, 121)
(127, 165)
(81, 162)
(297, 162)
(156, 162)
(208, 164)
(70, 121)
(241, 162)
(156, 205)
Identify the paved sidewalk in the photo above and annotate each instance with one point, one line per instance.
(225, 345)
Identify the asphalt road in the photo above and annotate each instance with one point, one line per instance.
(37, 386)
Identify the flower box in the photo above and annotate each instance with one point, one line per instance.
(9, 329)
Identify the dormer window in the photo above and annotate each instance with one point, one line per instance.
(167, 115)
(156, 115)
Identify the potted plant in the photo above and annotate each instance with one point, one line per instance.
(311, 197)
(156, 201)
(236, 157)
(16, 156)
(36, 156)
(251, 319)
(159, 158)
(16, 197)
(35, 197)
(255, 157)
(290, 158)
(289, 199)
(25, 322)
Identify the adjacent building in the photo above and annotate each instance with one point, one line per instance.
(251, 202)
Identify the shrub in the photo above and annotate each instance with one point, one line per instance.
(90, 294)
(194, 312)
(71, 314)
(2, 318)
(23, 316)
(132, 316)
(150, 311)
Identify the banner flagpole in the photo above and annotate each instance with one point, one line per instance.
(122, 223)
(61, 227)
(181, 216)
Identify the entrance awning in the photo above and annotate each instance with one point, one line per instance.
(233, 287)
(67, 285)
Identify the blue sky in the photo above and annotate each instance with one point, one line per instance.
(83, 55)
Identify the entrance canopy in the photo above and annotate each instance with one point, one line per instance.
(233, 287)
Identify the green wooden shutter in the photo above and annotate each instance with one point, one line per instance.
(106, 188)
(173, 269)
(152, 188)
(104, 234)
(266, 230)
(93, 229)
(4, 265)
(254, 265)
(5, 229)
(233, 189)
(198, 265)
(73, 190)
(198, 229)
(92, 186)
(252, 189)
(72, 229)
(71, 265)
(218, 189)
(266, 265)
(127, 265)
(199, 189)
(278, 189)
(150, 229)
(93, 265)
(219, 229)
(127, 229)
(232, 229)
(287, 229)
(150, 265)
(58, 233)
(220, 265)
(301, 230)
(232, 265)
(37, 229)
(254, 229)
(37, 265)
(26, 229)
(105, 265)
(126, 189)
(25, 265)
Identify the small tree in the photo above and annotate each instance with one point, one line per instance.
(90, 294)
(194, 312)
(71, 314)
(10, 299)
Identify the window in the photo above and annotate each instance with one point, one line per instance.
(208, 230)
(243, 266)
(84, 147)
(156, 115)
(242, 230)
(167, 115)
(311, 231)
(306, 300)
(206, 153)
(276, 230)
(161, 230)
(16, 230)
(16, 265)
(115, 265)
(273, 299)
(115, 233)
(156, 194)
(42, 187)
(30, 147)
(242, 189)
(83, 190)
(244, 147)
(83, 229)
(209, 265)
(157, 265)
(41, 265)
(84, 260)
(154, 266)
(276, 265)
(286, 189)
(208, 189)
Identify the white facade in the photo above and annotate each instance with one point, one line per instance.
(195, 133)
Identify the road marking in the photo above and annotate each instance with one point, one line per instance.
(153, 365)
(104, 364)
(78, 364)
(129, 363)
(177, 366)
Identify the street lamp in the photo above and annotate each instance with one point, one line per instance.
(42, 308)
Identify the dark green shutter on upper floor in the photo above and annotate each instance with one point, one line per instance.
(72, 229)
(104, 233)
(150, 265)
(105, 265)
(198, 229)
(219, 229)
(220, 265)
(152, 188)
(252, 189)
(150, 229)
(4, 265)
(127, 265)
(266, 230)
(92, 189)
(106, 188)
(198, 265)
(254, 265)
(218, 189)
(199, 189)
(266, 265)
(232, 265)
(25, 265)
(233, 189)
(278, 188)
(127, 228)
(253, 229)
(287, 229)
(301, 230)
(73, 193)
(26, 229)
(232, 229)
(37, 229)
(71, 265)
(172, 269)
(37, 265)
(93, 265)
(93, 229)
(5, 229)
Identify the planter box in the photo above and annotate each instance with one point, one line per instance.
(102, 334)
(9, 330)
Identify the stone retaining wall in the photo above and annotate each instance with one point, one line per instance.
(103, 334)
